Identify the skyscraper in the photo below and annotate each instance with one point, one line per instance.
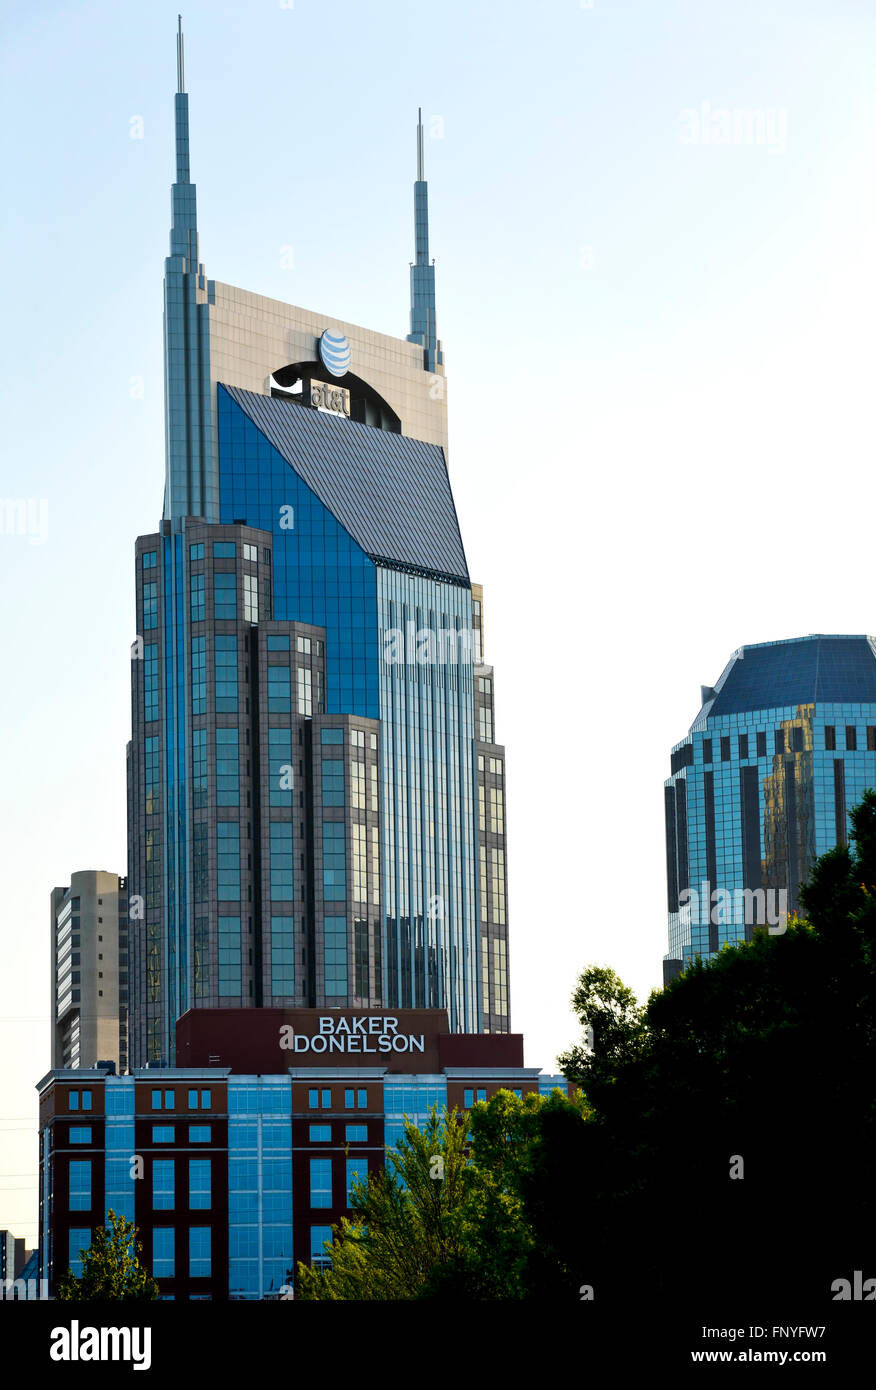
(316, 803)
(781, 750)
(89, 955)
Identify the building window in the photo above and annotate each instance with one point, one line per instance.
(79, 1242)
(359, 846)
(725, 750)
(283, 956)
(357, 1172)
(497, 858)
(305, 691)
(227, 768)
(162, 1134)
(357, 1134)
(797, 743)
(163, 1184)
(320, 1182)
(250, 552)
(150, 680)
(198, 606)
(72, 1100)
(199, 1134)
(334, 862)
(80, 1134)
(320, 1134)
(357, 785)
(199, 1252)
(468, 1098)
(150, 560)
(282, 856)
(250, 598)
(485, 724)
(162, 1099)
(279, 690)
(228, 861)
(230, 966)
(331, 736)
(707, 750)
(319, 1237)
(743, 745)
(226, 674)
(497, 811)
(871, 738)
(199, 677)
(313, 1099)
(761, 745)
(780, 740)
(163, 1265)
(224, 550)
(199, 1184)
(335, 933)
(196, 552)
(225, 595)
(150, 606)
(80, 1184)
(277, 642)
(332, 782)
(851, 738)
(830, 737)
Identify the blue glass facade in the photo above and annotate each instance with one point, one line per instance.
(320, 575)
(259, 1185)
(783, 747)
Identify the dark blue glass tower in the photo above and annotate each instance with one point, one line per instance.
(781, 750)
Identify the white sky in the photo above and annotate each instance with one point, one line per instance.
(659, 360)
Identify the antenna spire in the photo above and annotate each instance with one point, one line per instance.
(180, 58)
(423, 329)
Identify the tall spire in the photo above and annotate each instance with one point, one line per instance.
(423, 326)
(190, 485)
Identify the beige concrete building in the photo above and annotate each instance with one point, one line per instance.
(89, 1004)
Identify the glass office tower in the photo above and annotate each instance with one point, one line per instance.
(316, 800)
(782, 748)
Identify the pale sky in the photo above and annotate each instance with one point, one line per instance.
(659, 363)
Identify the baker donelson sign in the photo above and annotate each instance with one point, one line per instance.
(358, 1033)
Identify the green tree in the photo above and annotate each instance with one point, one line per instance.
(111, 1269)
(404, 1220)
(614, 1027)
(522, 1149)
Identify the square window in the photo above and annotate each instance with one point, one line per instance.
(199, 1134)
(357, 1134)
(162, 1134)
(320, 1134)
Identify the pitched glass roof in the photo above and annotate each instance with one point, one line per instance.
(801, 671)
(391, 493)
